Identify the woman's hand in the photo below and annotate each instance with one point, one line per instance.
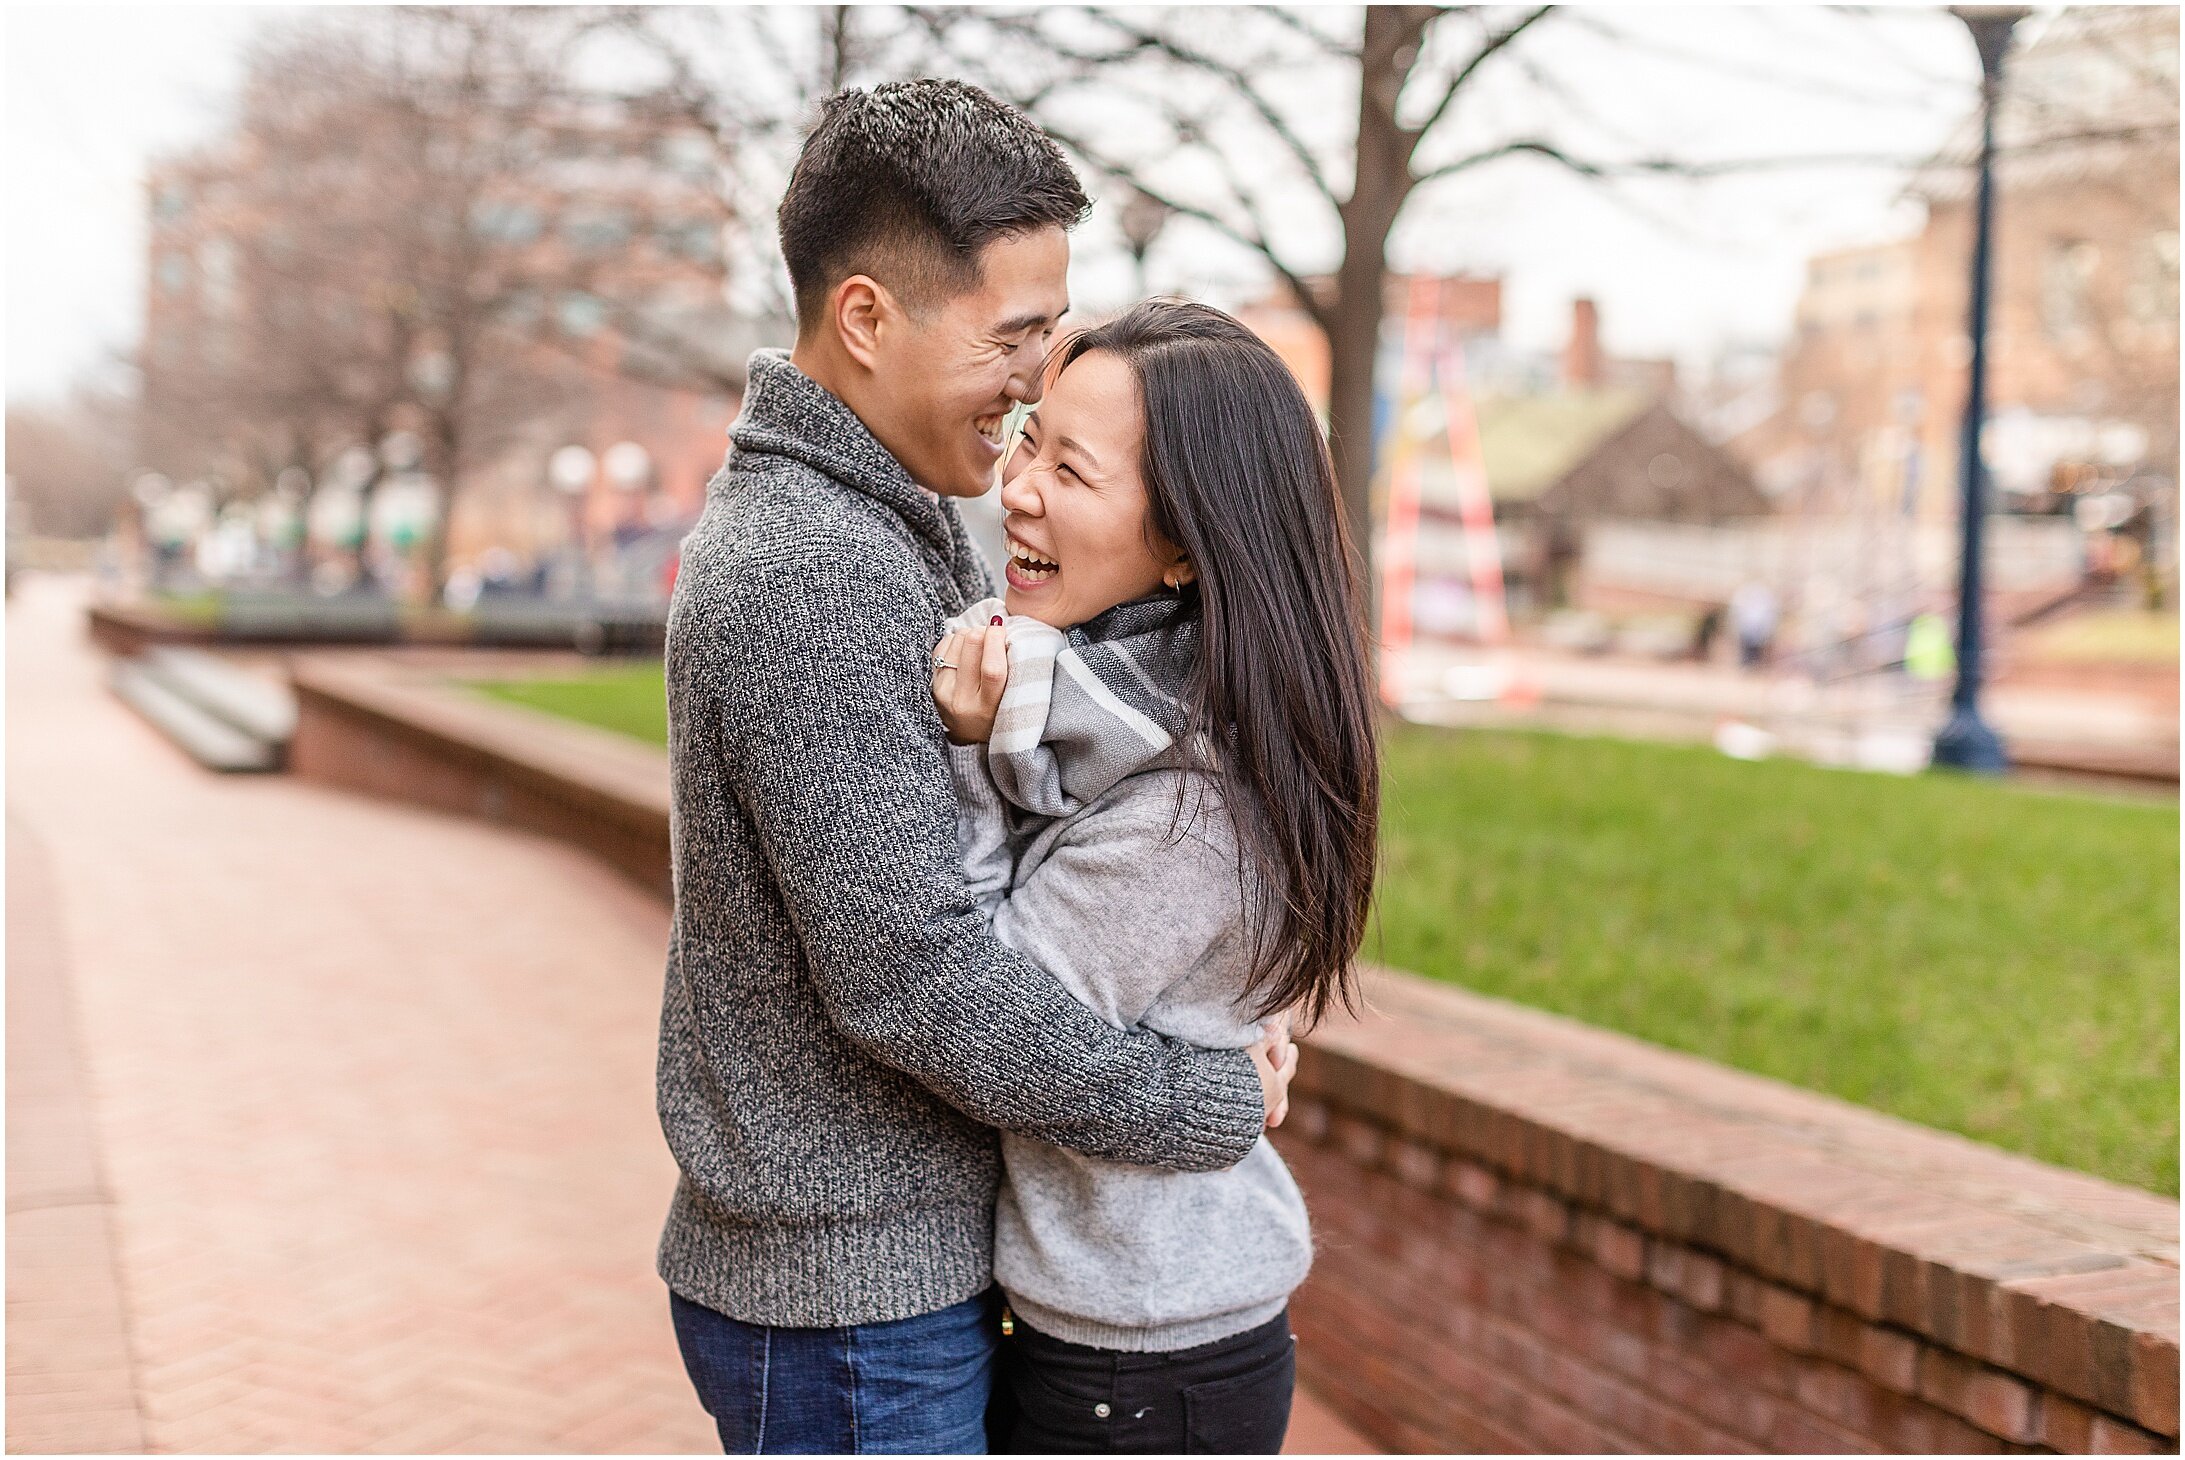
(1276, 1060)
(970, 670)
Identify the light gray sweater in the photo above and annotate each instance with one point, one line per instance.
(1128, 895)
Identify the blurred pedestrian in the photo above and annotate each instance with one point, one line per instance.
(1928, 651)
(1705, 632)
(1753, 619)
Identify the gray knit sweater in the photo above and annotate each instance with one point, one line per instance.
(841, 1032)
(1103, 854)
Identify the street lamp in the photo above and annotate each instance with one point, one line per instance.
(1966, 742)
(629, 466)
(571, 471)
(148, 489)
(1143, 218)
(401, 450)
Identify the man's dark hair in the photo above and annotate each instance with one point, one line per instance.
(908, 182)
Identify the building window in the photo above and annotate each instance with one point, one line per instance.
(696, 239)
(2153, 296)
(596, 230)
(174, 272)
(170, 202)
(505, 222)
(2067, 289)
(687, 154)
(519, 310)
(218, 259)
(580, 314)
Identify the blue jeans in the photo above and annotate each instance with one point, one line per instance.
(916, 1386)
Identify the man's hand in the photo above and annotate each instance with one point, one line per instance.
(1276, 1060)
(970, 670)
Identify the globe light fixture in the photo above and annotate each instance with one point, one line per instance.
(401, 450)
(629, 466)
(571, 469)
(149, 488)
(1141, 220)
(432, 376)
(354, 468)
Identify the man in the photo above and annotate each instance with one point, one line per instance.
(841, 1034)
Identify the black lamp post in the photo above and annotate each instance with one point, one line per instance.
(1966, 742)
(1142, 220)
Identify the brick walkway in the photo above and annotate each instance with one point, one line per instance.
(365, 1156)
(373, 1097)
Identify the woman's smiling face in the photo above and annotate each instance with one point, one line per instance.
(1076, 511)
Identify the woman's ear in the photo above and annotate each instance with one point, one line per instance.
(1180, 573)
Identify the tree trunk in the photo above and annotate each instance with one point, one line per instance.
(1354, 330)
(445, 447)
(1353, 318)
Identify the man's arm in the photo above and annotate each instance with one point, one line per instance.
(982, 829)
(835, 749)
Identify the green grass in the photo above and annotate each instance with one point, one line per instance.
(1998, 961)
(2108, 636)
(199, 610)
(1992, 959)
(630, 700)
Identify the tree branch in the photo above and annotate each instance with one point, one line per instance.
(1242, 85)
(1254, 238)
(1328, 45)
(1672, 167)
(1465, 73)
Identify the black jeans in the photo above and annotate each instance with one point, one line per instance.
(1229, 1397)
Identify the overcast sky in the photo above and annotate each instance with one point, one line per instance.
(1678, 268)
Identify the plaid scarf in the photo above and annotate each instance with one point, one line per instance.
(1086, 708)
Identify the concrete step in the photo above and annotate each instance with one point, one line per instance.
(205, 737)
(260, 708)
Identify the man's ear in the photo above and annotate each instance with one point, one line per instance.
(862, 309)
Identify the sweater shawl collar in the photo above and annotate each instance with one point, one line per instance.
(786, 413)
(1086, 708)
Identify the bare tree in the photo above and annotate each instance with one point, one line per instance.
(432, 221)
(750, 81)
(1220, 116)
(68, 463)
(1226, 104)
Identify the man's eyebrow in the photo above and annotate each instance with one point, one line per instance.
(1023, 322)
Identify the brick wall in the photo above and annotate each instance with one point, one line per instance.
(372, 726)
(1535, 1235)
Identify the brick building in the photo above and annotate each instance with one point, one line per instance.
(1567, 438)
(2083, 335)
(607, 310)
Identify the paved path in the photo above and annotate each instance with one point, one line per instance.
(364, 1156)
(372, 1092)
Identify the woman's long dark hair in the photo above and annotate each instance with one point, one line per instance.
(1239, 479)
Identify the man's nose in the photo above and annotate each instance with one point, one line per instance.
(1027, 381)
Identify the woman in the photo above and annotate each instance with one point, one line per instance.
(1165, 757)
